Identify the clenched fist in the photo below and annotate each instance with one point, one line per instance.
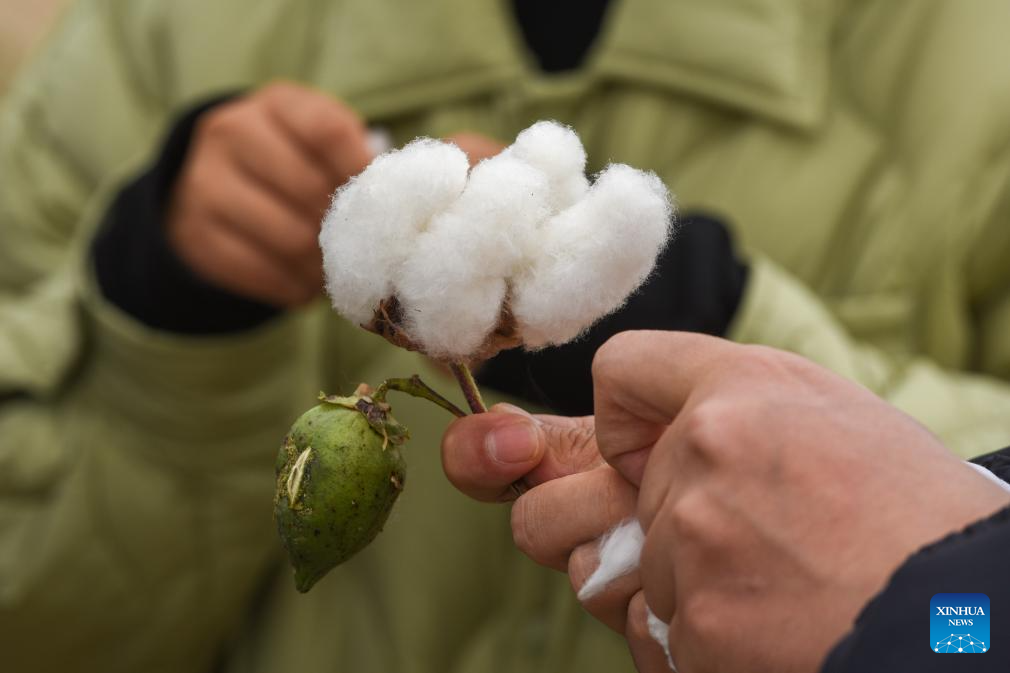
(775, 497)
(246, 208)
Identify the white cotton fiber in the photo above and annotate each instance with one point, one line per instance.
(620, 553)
(593, 255)
(523, 226)
(372, 223)
(454, 282)
(620, 550)
(556, 150)
(660, 632)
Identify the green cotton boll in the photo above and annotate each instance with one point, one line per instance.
(339, 472)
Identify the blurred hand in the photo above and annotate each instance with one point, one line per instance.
(246, 210)
(777, 498)
(477, 146)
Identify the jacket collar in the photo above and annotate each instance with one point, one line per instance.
(767, 57)
(763, 57)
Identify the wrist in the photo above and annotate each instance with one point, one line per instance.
(138, 269)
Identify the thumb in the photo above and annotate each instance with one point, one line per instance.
(569, 447)
(483, 454)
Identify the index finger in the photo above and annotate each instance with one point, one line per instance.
(641, 380)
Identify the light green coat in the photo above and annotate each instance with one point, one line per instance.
(860, 149)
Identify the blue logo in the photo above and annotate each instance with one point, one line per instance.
(959, 623)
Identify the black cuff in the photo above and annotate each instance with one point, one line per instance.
(696, 287)
(997, 462)
(136, 267)
(893, 631)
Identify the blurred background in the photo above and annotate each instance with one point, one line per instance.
(22, 24)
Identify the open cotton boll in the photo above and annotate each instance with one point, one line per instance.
(452, 286)
(521, 251)
(556, 150)
(373, 220)
(594, 254)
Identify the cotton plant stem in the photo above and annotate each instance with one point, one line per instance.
(469, 387)
(416, 387)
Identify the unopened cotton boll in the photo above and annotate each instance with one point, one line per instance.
(374, 219)
(556, 150)
(453, 284)
(593, 255)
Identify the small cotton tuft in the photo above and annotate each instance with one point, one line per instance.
(660, 632)
(522, 249)
(620, 551)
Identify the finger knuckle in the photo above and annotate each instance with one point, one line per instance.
(707, 427)
(335, 130)
(298, 242)
(206, 129)
(609, 358)
(527, 528)
(214, 204)
(581, 565)
(579, 446)
(689, 517)
(636, 628)
(224, 123)
(519, 521)
(614, 492)
(700, 618)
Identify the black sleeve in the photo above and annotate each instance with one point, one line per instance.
(892, 634)
(997, 462)
(696, 287)
(137, 269)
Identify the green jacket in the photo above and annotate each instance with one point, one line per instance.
(860, 148)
